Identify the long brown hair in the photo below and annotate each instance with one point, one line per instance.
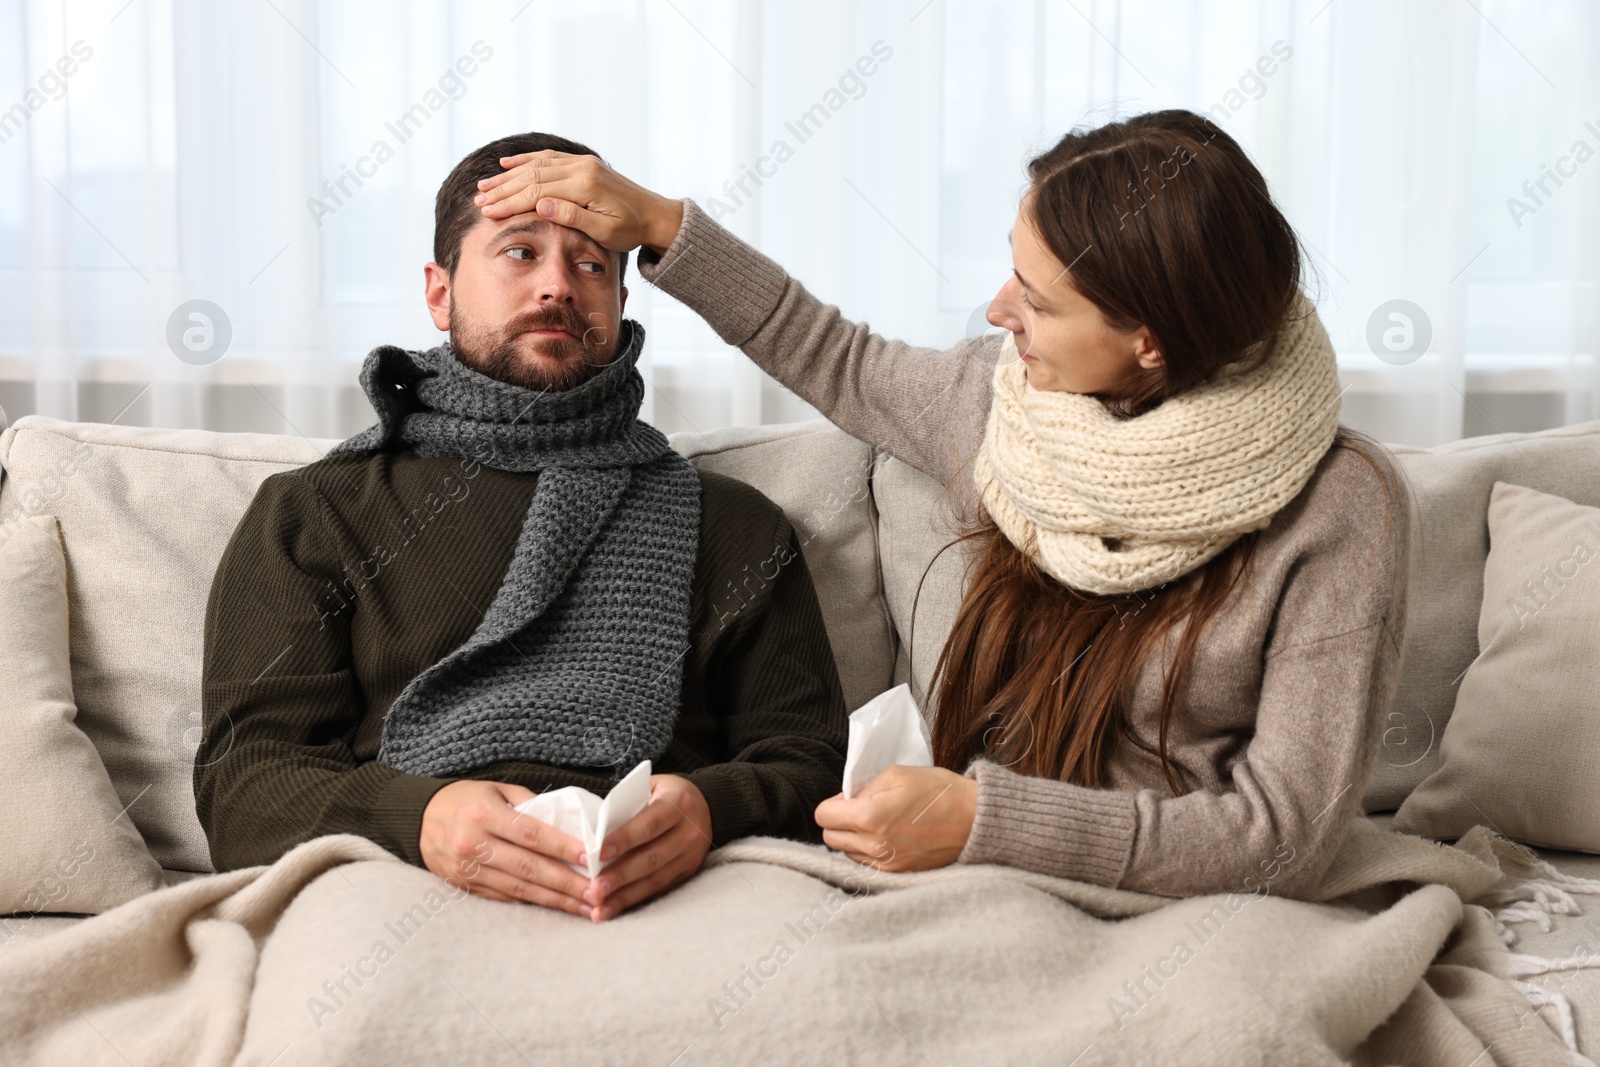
(1165, 223)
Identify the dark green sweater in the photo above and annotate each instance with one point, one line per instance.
(347, 578)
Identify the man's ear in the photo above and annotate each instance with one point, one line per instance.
(622, 301)
(436, 291)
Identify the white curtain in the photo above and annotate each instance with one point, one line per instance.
(277, 159)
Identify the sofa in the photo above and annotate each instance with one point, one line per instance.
(145, 514)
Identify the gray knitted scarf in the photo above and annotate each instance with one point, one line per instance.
(578, 660)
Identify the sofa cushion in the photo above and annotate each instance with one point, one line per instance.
(917, 519)
(146, 513)
(1451, 485)
(820, 476)
(18, 931)
(1520, 750)
(68, 844)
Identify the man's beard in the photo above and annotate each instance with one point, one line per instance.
(566, 361)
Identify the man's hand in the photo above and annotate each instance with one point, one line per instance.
(472, 837)
(906, 819)
(585, 194)
(656, 849)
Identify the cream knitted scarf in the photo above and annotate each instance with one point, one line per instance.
(1109, 505)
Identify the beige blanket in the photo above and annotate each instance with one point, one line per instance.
(784, 953)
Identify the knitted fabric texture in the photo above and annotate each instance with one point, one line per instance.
(1108, 505)
(578, 659)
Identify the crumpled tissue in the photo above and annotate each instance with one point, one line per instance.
(888, 729)
(576, 811)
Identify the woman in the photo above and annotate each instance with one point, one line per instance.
(1186, 581)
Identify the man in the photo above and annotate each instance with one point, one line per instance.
(509, 585)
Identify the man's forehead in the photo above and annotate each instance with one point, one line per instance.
(490, 231)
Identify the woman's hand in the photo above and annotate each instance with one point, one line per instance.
(906, 819)
(584, 193)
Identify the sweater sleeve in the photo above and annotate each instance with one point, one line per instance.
(775, 692)
(1331, 668)
(925, 406)
(280, 699)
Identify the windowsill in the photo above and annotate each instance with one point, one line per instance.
(1485, 373)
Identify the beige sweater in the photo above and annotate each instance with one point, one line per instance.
(1282, 714)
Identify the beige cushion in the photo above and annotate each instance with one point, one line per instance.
(1522, 745)
(146, 513)
(1449, 545)
(68, 844)
(821, 477)
(916, 520)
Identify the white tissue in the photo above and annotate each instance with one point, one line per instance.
(576, 811)
(886, 730)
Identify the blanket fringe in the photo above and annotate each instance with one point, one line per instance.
(1536, 899)
(1539, 997)
(1546, 893)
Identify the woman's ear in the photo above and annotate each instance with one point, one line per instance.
(1146, 351)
